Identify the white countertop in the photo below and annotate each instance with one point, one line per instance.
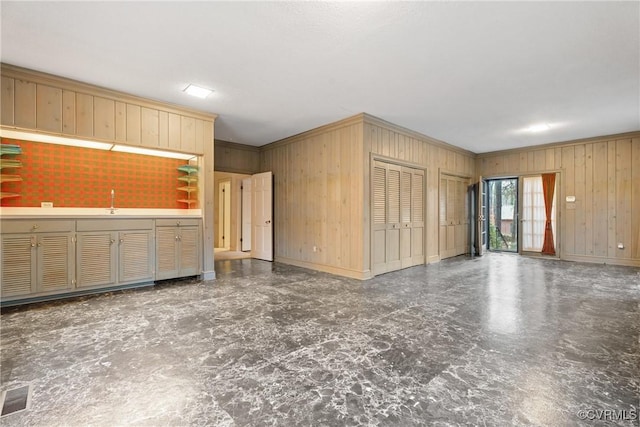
(17, 213)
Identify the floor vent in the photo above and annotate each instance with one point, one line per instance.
(15, 400)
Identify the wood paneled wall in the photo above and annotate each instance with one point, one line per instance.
(50, 104)
(319, 198)
(236, 158)
(604, 176)
(322, 189)
(385, 140)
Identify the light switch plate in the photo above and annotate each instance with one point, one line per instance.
(46, 204)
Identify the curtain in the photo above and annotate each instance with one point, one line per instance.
(548, 187)
(533, 214)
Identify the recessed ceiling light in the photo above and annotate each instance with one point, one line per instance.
(539, 127)
(198, 91)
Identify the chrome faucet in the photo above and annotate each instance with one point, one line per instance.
(113, 196)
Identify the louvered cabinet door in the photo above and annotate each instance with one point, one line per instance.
(18, 265)
(189, 251)
(55, 262)
(135, 256)
(167, 265)
(96, 258)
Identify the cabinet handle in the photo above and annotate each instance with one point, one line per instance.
(33, 245)
(180, 238)
(177, 237)
(112, 241)
(121, 241)
(178, 223)
(35, 226)
(39, 244)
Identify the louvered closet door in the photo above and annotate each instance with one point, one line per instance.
(393, 217)
(405, 217)
(136, 251)
(18, 265)
(97, 258)
(454, 222)
(398, 217)
(379, 238)
(55, 254)
(417, 217)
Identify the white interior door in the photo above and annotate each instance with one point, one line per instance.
(262, 216)
(246, 215)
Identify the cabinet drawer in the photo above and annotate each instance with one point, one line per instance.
(114, 224)
(177, 222)
(36, 226)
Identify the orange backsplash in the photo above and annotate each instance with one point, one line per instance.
(84, 177)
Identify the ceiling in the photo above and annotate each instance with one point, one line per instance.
(473, 74)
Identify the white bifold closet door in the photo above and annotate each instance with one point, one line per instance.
(398, 217)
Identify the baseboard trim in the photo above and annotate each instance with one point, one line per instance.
(353, 274)
(629, 262)
(208, 275)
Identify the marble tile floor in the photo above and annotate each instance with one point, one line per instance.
(499, 340)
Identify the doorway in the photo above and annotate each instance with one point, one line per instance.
(502, 207)
(224, 214)
(243, 215)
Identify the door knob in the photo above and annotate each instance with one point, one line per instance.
(268, 222)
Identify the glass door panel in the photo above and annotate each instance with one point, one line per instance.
(502, 226)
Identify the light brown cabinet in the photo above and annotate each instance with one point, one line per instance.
(46, 258)
(177, 248)
(114, 252)
(37, 258)
(33, 101)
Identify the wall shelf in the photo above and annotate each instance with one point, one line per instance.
(191, 178)
(9, 150)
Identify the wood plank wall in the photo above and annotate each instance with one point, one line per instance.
(604, 176)
(318, 198)
(388, 141)
(236, 158)
(44, 103)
